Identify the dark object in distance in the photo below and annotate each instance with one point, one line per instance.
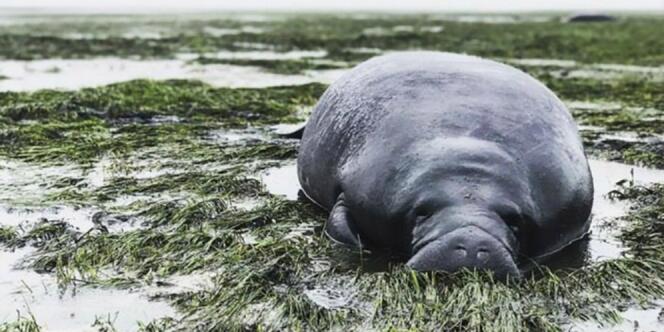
(450, 160)
(576, 18)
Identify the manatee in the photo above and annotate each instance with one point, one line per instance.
(450, 161)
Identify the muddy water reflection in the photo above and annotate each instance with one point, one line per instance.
(25, 291)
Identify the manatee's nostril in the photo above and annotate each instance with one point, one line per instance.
(482, 254)
(460, 251)
(466, 247)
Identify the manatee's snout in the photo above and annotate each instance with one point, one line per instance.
(466, 247)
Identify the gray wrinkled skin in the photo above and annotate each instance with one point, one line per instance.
(452, 160)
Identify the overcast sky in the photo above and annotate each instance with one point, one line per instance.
(346, 5)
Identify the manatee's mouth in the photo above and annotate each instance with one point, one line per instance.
(466, 247)
(417, 247)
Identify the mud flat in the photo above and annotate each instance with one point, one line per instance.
(143, 168)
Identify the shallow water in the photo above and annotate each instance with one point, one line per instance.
(286, 128)
(265, 55)
(23, 182)
(235, 136)
(26, 291)
(603, 243)
(494, 18)
(335, 295)
(542, 62)
(79, 218)
(634, 320)
(282, 180)
(600, 71)
(76, 73)
(218, 32)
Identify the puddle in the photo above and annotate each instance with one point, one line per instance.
(24, 188)
(632, 137)
(588, 73)
(634, 320)
(266, 55)
(403, 28)
(631, 68)
(235, 136)
(302, 230)
(332, 298)
(247, 204)
(158, 119)
(542, 62)
(79, 218)
(249, 239)
(79, 73)
(98, 175)
(325, 76)
(603, 243)
(282, 180)
(495, 19)
(219, 32)
(179, 283)
(29, 292)
(364, 50)
(286, 128)
(337, 294)
(386, 31)
(255, 46)
(608, 75)
(432, 29)
(601, 71)
(22, 182)
(376, 31)
(587, 105)
(142, 34)
(75, 74)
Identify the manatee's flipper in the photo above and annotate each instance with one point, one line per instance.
(340, 227)
(297, 134)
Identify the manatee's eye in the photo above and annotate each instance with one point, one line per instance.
(514, 221)
(422, 212)
(511, 215)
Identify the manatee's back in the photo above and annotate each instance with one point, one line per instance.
(410, 96)
(358, 102)
(346, 113)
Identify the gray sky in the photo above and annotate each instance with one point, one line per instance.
(346, 5)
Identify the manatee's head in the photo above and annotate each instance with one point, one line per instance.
(475, 239)
(466, 204)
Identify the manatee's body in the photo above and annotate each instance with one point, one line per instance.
(452, 160)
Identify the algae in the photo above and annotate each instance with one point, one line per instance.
(84, 125)
(21, 324)
(266, 278)
(143, 99)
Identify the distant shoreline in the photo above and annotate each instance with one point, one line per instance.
(138, 10)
